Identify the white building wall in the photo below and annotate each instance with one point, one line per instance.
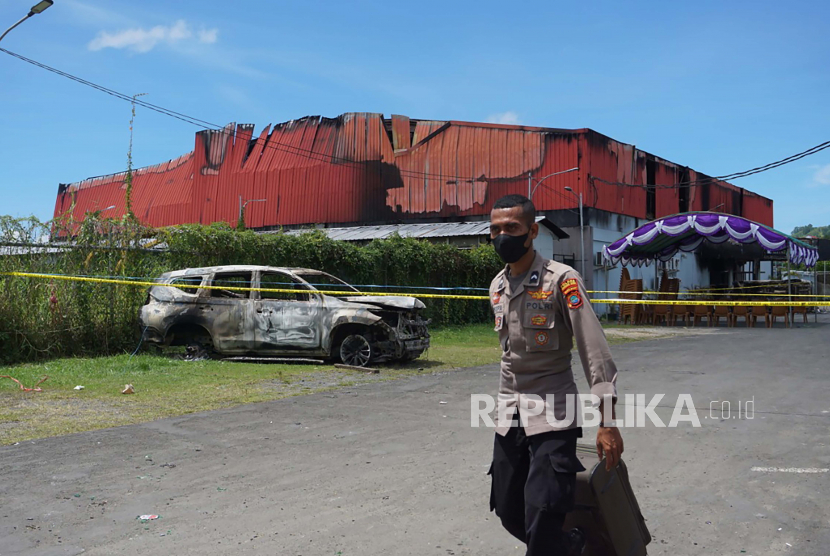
(544, 242)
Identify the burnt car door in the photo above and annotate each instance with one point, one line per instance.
(229, 311)
(287, 320)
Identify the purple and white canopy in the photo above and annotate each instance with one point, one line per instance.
(662, 239)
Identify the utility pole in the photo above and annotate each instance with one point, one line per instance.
(581, 234)
(241, 222)
(128, 189)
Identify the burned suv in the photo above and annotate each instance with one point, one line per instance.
(209, 307)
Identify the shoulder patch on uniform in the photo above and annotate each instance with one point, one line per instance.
(574, 300)
(568, 285)
(570, 291)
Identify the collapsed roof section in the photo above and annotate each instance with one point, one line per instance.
(363, 168)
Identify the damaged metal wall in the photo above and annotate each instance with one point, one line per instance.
(161, 194)
(360, 167)
(615, 162)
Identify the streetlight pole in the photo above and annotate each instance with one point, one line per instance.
(531, 190)
(581, 233)
(36, 9)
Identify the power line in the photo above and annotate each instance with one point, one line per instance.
(271, 143)
(798, 156)
(331, 159)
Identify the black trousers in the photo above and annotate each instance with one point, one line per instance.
(533, 481)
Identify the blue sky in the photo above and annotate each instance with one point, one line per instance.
(718, 86)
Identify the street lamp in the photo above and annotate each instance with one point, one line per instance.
(40, 7)
(530, 179)
(531, 189)
(245, 204)
(581, 233)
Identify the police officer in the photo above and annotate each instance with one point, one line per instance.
(540, 307)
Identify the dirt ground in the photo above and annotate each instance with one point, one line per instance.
(394, 467)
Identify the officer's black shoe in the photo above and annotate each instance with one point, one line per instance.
(576, 541)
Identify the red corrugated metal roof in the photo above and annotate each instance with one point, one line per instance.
(359, 167)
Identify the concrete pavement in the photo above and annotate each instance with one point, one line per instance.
(387, 468)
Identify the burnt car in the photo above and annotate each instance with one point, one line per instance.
(209, 308)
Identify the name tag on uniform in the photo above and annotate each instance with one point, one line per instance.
(498, 308)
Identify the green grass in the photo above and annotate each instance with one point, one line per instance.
(167, 387)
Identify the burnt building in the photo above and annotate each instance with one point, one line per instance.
(362, 168)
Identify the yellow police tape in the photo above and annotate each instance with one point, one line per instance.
(232, 288)
(712, 303)
(615, 301)
(704, 292)
(755, 287)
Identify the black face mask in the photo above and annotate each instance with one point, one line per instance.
(511, 248)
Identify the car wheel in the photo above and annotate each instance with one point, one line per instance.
(196, 352)
(355, 350)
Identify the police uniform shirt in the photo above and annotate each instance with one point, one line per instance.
(538, 319)
(514, 282)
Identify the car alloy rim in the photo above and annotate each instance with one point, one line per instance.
(355, 350)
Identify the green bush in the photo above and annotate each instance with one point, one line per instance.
(45, 318)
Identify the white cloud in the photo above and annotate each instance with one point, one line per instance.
(144, 40)
(208, 36)
(821, 176)
(508, 118)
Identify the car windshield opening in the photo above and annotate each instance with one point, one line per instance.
(326, 282)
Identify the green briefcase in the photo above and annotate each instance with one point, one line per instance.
(606, 509)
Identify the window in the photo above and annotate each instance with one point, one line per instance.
(669, 265)
(326, 282)
(279, 281)
(187, 284)
(231, 280)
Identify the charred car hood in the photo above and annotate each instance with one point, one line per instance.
(391, 302)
